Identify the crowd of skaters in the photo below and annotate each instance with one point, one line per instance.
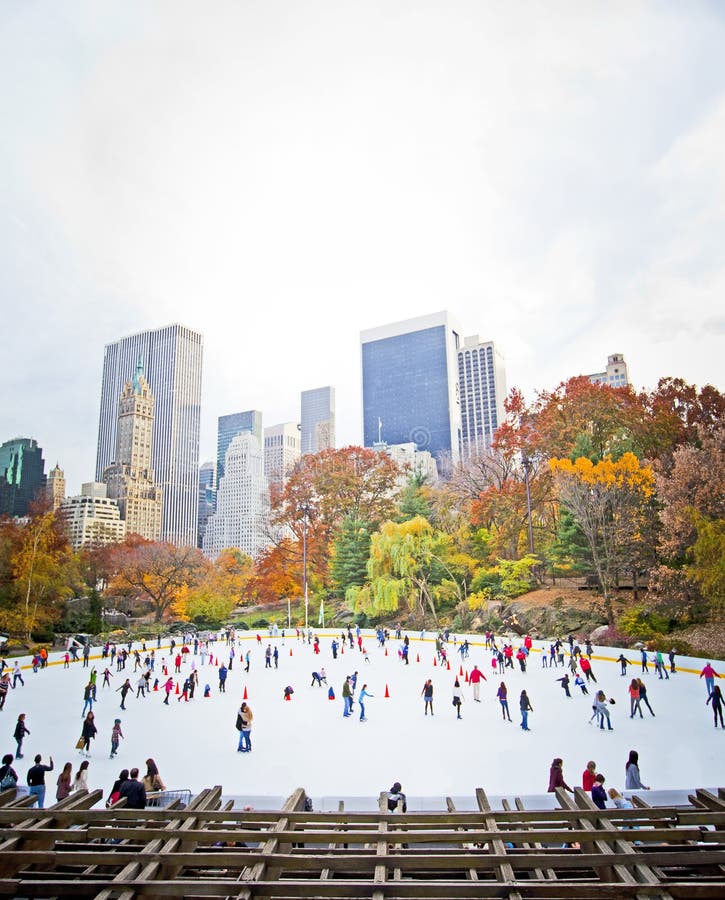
(192, 654)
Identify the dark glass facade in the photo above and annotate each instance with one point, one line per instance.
(406, 386)
(22, 476)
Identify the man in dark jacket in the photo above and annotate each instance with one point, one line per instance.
(36, 779)
(134, 792)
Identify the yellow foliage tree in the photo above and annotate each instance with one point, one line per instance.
(611, 502)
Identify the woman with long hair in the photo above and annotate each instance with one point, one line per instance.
(152, 780)
(80, 782)
(63, 784)
(632, 779)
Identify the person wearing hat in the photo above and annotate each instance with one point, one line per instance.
(397, 801)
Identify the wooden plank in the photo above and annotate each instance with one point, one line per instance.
(504, 872)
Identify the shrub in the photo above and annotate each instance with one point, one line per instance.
(637, 622)
(260, 623)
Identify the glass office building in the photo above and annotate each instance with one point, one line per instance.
(482, 379)
(22, 476)
(410, 386)
(317, 419)
(172, 361)
(247, 422)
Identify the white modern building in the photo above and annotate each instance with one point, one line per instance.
(410, 385)
(616, 373)
(317, 419)
(242, 501)
(282, 450)
(413, 462)
(482, 381)
(92, 518)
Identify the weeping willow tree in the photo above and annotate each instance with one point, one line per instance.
(406, 567)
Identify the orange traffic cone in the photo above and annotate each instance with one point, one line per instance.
(448, 665)
(286, 697)
(156, 685)
(386, 651)
(245, 693)
(417, 657)
(461, 672)
(387, 692)
(435, 661)
(217, 662)
(177, 688)
(342, 649)
(467, 678)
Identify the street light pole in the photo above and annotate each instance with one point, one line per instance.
(305, 511)
(526, 462)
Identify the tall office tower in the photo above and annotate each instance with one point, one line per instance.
(207, 498)
(22, 476)
(317, 419)
(242, 508)
(173, 361)
(282, 449)
(482, 379)
(616, 373)
(55, 487)
(92, 518)
(248, 422)
(130, 478)
(410, 386)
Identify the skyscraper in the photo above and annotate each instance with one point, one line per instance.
(410, 386)
(248, 422)
(281, 451)
(317, 419)
(55, 487)
(22, 476)
(207, 498)
(130, 478)
(173, 362)
(482, 379)
(242, 509)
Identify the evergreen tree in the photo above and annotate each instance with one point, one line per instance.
(351, 549)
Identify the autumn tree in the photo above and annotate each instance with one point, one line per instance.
(221, 587)
(407, 566)
(611, 502)
(40, 572)
(322, 491)
(156, 572)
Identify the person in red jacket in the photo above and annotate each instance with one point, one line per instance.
(589, 775)
(587, 669)
(475, 679)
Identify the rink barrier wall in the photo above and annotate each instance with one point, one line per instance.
(330, 633)
(208, 849)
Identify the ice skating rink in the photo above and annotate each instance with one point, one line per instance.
(308, 743)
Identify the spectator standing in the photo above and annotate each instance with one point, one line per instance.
(36, 779)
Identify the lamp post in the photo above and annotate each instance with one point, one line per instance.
(305, 510)
(526, 463)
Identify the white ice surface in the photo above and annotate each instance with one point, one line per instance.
(308, 743)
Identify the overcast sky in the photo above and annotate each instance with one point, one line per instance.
(280, 175)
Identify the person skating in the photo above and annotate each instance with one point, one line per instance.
(586, 667)
(632, 778)
(17, 675)
(244, 720)
(88, 733)
(87, 698)
(116, 735)
(634, 699)
(346, 697)
(19, 734)
(316, 679)
(556, 776)
(364, 692)
(623, 663)
(36, 779)
(223, 679)
(564, 681)
(124, 689)
(717, 703)
(502, 694)
(643, 696)
(525, 707)
(168, 688)
(709, 675)
(457, 698)
(475, 679)
(427, 694)
(600, 705)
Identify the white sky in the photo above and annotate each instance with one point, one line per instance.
(282, 175)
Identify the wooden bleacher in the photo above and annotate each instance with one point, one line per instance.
(208, 850)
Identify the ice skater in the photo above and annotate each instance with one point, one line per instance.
(21, 731)
(525, 707)
(634, 701)
(364, 692)
(427, 695)
(715, 697)
(502, 694)
(457, 698)
(564, 681)
(116, 735)
(643, 696)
